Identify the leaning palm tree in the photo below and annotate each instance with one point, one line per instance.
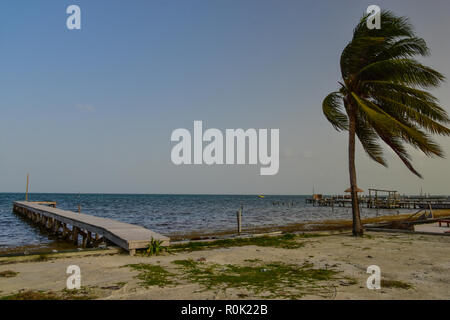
(383, 97)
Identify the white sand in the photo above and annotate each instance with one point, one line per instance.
(422, 261)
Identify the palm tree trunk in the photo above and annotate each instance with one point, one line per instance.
(357, 226)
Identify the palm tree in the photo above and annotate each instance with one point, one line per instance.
(383, 97)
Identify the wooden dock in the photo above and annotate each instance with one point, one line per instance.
(92, 230)
(382, 202)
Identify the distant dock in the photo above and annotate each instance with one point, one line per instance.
(382, 202)
(91, 229)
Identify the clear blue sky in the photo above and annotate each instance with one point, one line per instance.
(92, 110)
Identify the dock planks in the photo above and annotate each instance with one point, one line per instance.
(127, 236)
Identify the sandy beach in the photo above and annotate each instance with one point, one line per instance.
(309, 266)
(225, 150)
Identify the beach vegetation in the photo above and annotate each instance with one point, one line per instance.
(286, 241)
(267, 280)
(154, 247)
(42, 257)
(384, 97)
(8, 274)
(32, 295)
(152, 275)
(395, 284)
(83, 293)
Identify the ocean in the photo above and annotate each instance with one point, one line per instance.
(169, 214)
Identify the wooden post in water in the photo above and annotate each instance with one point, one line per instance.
(431, 210)
(26, 193)
(239, 221)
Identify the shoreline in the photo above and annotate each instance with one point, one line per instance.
(339, 225)
(306, 226)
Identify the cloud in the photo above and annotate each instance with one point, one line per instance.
(85, 108)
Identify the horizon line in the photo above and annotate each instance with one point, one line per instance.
(199, 194)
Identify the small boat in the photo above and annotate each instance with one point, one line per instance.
(260, 196)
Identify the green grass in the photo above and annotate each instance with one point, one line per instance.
(395, 284)
(42, 257)
(268, 280)
(32, 295)
(151, 275)
(81, 294)
(84, 293)
(154, 247)
(286, 241)
(8, 274)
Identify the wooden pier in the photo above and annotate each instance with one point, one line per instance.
(92, 230)
(382, 202)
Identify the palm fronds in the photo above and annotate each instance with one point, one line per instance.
(385, 89)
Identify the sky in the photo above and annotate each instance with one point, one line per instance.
(92, 110)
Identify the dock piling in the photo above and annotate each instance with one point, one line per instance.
(26, 193)
(239, 221)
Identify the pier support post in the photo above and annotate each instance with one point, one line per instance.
(26, 193)
(56, 227)
(44, 220)
(89, 238)
(75, 231)
(84, 240)
(239, 221)
(51, 224)
(65, 230)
